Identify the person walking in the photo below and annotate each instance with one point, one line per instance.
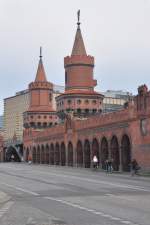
(29, 159)
(134, 167)
(108, 164)
(95, 162)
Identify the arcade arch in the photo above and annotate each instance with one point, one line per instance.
(115, 156)
(34, 155)
(57, 154)
(47, 158)
(70, 154)
(95, 149)
(51, 155)
(125, 153)
(63, 154)
(104, 152)
(87, 154)
(79, 154)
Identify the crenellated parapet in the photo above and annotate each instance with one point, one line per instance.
(78, 60)
(41, 85)
(106, 119)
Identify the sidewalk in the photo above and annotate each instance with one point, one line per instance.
(127, 175)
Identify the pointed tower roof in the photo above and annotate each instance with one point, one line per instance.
(40, 75)
(78, 47)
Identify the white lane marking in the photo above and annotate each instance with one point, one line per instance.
(5, 208)
(119, 197)
(91, 210)
(126, 222)
(11, 168)
(21, 189)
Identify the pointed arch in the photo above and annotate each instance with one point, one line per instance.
(38, 155)
(95, 149)
(104, 152)
(115, 156)
(51, 156)
(57, 154)
(70, 154)
(34, 155)
(79, 154)
(42, 154)
(63, 154)
(47, 154)
(87, 154)
(27, 154)
(125, 153)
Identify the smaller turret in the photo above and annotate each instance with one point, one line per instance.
(142, 100)
(40, 113)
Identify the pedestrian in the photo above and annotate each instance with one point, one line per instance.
(134, 167)
(29, 159)
(106, 165)
(110, 168)
(95, 162)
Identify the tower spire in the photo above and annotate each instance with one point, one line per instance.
(40, 76)
(78, 47)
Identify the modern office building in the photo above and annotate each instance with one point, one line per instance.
(1, 122)
(13, 120)
(115, 100)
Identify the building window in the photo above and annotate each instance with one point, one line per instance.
(86, 111)
(31, 117)
(65, 77)
(32, 124)
(79, 110)
(68, 110)
(39, 117)
(100, 111)
(86, 101)
(39, 124)
(44, 124)
(79, 101)
(94, 102)
(69, 101)
(94, 110)
(45, 117)
(50, 97)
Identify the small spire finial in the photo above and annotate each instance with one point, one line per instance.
(78, 16)
(40, 52)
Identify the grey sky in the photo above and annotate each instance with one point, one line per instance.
(115, 32)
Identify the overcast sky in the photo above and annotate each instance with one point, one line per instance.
(115, 32)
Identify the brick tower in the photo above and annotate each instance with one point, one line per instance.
(40, 113)
(79, 96)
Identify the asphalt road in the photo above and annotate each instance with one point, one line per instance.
(50, 195)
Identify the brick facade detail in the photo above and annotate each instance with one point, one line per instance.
(121, 135)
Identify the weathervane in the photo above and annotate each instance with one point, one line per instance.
(78, 16)
(40, 52)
